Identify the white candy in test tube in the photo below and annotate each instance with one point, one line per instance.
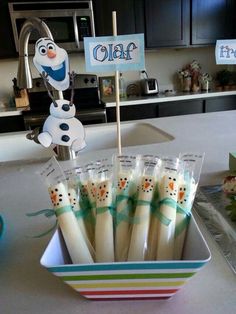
(91, 194)
(92, 191)
(73, 197)
(152, 236)
(186, 194)
(104, 242)
(139, 235)
(84, 197)
(122, 233)
(166, 233)
(67, 221)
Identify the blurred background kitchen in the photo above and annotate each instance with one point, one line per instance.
(163, 65)
(178, 34)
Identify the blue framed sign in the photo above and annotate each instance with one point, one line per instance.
(111, 53)
(225, 51)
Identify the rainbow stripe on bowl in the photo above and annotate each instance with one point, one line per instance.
(130, 280)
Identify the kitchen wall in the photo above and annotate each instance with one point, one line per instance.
(162, 64)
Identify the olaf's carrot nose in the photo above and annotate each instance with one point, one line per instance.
(123, 184)
(171, 185)
(102, 192)
(51, 54)
(181, 194)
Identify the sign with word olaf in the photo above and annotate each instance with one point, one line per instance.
(225, 51)
(114, 53)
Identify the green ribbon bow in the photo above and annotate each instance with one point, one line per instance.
(49, 213)
(128, 210)
(166, 221)
(101, 210)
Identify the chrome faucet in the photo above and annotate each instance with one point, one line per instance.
(24, 77)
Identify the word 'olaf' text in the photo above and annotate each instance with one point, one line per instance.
(111, 52)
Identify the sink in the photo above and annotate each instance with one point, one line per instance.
(132, 134)
(15, 146)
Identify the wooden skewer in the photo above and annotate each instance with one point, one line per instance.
(114, 25)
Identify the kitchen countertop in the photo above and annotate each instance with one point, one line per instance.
(28, 288)
(162, 97)
(10, 111)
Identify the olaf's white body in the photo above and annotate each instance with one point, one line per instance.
(62, 128)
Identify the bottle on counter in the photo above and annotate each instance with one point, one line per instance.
(122, 86)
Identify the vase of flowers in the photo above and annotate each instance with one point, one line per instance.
(186, 80)
(205, 80)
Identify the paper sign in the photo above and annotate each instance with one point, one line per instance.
(110, 53)
(225, 51)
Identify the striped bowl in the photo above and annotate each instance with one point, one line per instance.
(128, 280)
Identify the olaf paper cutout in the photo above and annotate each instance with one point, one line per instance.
(52, 60)
(62, 128)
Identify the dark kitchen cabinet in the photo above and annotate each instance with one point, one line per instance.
(167, 23)
(212, 20)
(11, 124)
(220, 104)
(172, 108)
(174, 23)
(154, 110)
(7, 46)
(181, 107)
(130, 16)
(135, 112)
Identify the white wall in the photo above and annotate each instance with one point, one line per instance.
(162, 64)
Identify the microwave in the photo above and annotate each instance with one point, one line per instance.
(68, 21)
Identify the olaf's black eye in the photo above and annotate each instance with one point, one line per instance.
(51, 46)
(42, 50)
